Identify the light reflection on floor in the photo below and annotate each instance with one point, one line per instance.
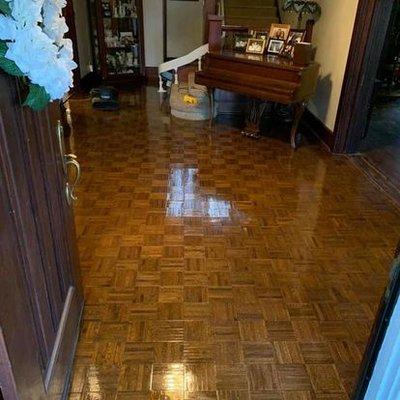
(186, 200)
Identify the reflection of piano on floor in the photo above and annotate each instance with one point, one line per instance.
(264, 77)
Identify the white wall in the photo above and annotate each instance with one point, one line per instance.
(332, 37)
(83, 36)
(153, 32)
(184, 27)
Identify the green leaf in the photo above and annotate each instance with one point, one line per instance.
(37, 98)
(3, 48)
(7, 65)
(5, 7)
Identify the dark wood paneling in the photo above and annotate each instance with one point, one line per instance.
(151, 75)
(40, 292)
(18, 190)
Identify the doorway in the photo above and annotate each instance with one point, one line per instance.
(363, 119)
(380, 144)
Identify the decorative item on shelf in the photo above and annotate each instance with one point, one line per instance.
(295, 36)
(33, 48)
(126, 38)
(303, 7)
(279, 31)
(241, 40)
(275, 46)
(106, 9)
(255, 46)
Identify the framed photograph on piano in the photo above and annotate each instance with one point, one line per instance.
(275, 46)
(255, 46)
(295, 36)
(279, 31)
(240, 42)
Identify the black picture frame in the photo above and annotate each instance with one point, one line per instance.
(275, 51)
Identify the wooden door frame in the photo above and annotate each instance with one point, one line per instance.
(370, 27)
(69, 15)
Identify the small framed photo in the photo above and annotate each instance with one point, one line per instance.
(241, 40)
(275, 46)
(279, 31)
(296, 36)
(287, 51)
(255, 46)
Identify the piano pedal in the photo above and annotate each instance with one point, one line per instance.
(252, 135)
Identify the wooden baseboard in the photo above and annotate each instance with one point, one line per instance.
(319, 129)
(151, 74)
(377, 178)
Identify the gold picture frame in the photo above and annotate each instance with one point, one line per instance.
(255, 46)
(279, 31)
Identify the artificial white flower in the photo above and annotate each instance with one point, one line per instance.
(31, 48)
(42, 54)
(7, 28)
(27, 12)
(57, 29)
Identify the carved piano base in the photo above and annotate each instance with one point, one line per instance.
(299, 109)
(254, 113)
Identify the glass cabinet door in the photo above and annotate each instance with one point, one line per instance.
(121, 37)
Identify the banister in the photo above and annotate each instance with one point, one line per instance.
(184, 60)
(180, 62)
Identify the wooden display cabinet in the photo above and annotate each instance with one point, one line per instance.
(119, 44)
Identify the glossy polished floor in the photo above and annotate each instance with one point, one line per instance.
(381, 147)
(218, 267)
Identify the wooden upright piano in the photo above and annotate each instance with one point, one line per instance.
(265, 77)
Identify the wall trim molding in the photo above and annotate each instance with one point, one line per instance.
(378, 178)
(319, 129)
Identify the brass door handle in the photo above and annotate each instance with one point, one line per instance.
(71, 159)
(60, 137)
(68, 160)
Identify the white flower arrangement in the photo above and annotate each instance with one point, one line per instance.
(32, 45)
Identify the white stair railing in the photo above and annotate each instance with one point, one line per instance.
(180, 62)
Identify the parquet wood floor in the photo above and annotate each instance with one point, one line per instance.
(217, 267)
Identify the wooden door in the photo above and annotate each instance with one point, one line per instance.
(40, 294)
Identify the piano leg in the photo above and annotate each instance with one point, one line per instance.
(254, 112)
(299, 109)
(211, 93)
